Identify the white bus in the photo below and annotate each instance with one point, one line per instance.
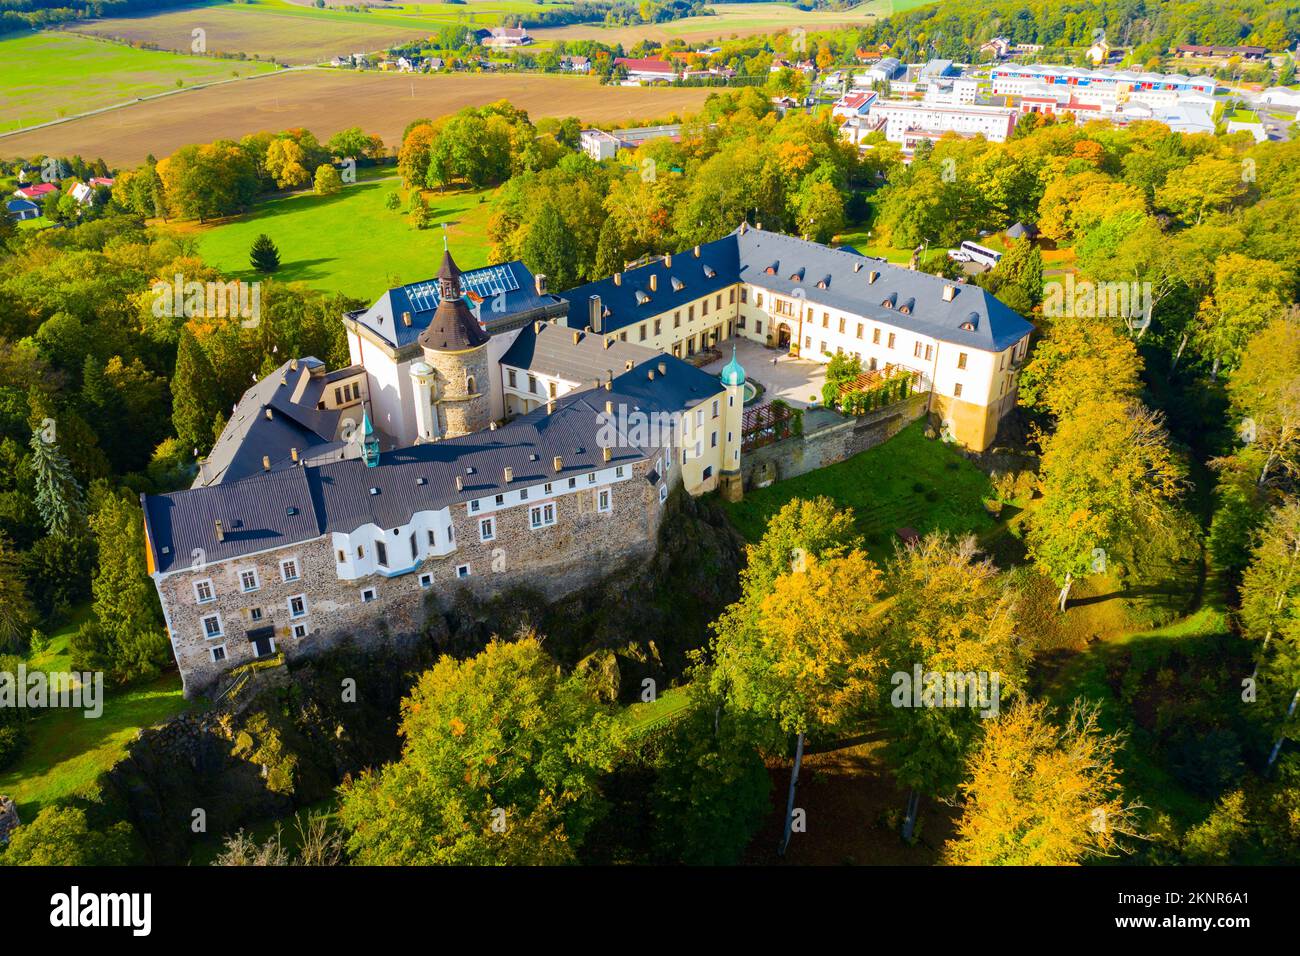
(974, 252)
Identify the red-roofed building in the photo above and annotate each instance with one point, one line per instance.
(38, 191)
(647, 69)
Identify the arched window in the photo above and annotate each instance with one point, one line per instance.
(469, 385)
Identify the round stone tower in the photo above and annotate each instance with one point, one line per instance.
(733, 379)
(455, 349)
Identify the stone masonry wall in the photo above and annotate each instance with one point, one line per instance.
(799, 455)
(581, 546)
(461, 412)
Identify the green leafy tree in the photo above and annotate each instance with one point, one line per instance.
(499, 765)
(549, 249)
(327, 181)
(16, 616)
(60, 836)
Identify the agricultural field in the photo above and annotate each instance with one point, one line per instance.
(46, 76)
(326, 101)
(317, 238)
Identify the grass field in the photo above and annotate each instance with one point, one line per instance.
(67, 751)
(317, 237)
(49, 75)
(326, 101)
(879, 486)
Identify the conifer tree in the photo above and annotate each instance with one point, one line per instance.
(58, 495)
(264, 257)
(194, 391)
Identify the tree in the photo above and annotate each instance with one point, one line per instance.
(1265, 392)
(328, 181)
(286, 163)
(499, 765)
(60, 836)
(1039, 795)
(1079, 360)
(126, 636)
(1017, 279)
(194, 395)
(58, 495)
(549, 248)
(1270, 586)
(16, 616)
(1247, 294)
(1209, 183)
(1108, 475)
(809, 660)
(420, 217)
(951, 615)
(264, 256)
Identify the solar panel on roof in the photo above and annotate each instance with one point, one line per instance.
(485, 283)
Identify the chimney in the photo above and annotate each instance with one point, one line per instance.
(492, 426)
(618, 278)
(857, 267)
(577, 337)
(510, 474)
(293, 453)
(744, 227)
(540, 282)
(663, 368)
(221, 531)
(609, 381)
(550, 407)
(668, 261)
(269, 416)
(654, 282)
(872, 276)
(758, 226)
(949, 293)
(609, 341)
(697, 252)
(406, 318)
(558, 463)
(537, 327)
(293, 365)
(460, 483)
(609, 453)
(609, 407)
(593, 313)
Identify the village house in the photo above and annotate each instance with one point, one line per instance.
(505, 38)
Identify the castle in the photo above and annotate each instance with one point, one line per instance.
(490, 433)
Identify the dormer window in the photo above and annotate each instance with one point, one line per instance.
(641, 297)
(824, 282)
(906, 307)
(771, 270)
(797, 275)
(889, 300)
(971, 324)
(709, 272)
(678, 284)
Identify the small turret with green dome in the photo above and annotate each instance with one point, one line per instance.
(732, 372)
(369, 441)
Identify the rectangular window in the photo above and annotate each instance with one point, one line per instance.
(690, 313)
(961, 360)
(550, 389)
(532, 383)
(367, 595)
(523, 494)
(462, 571)
(541, 516)
(342, 557)
(715, 408)
(381, 554)
(486, 531)
(473, 505)
(928, 351)
(203, 592)
(254, 614)
(741, 322)
(289, 570)
(591, 478)
(731, 296)
(826, 320)
(758, 326)
(807, 341)
(890, 343)
(602, 500)
(426, 580)
(744, 295)
(704, 306)
(677, 319)
(658, 326)
(218, 653)
(510, 377)
(433, 539)
(956, 390)
(663, 493)
(573, 482)
(758, 300)
(300, 630)
(713, 442)
(415, 549)
(859, 330)
(546, 488)
(718, 301)
(298, 605)
(618, 472)
(642, 331)
(916, 350)
(212, 626)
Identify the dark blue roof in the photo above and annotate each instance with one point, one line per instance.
(280, 508)
(837, 278)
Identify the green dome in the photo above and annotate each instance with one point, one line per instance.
(732, 373)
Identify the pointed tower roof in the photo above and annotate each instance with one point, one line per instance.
(732, 372)
(453, 327)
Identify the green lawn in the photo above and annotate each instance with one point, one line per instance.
(67, 751)
(879, 486)
(351, 242)
(858, 239)
(46, 76)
